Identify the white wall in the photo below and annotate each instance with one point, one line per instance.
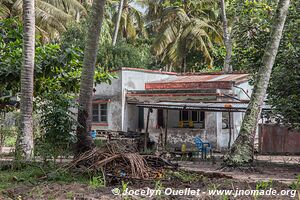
(119, 113)
(135, 80)
(240, 94)
(113, 92)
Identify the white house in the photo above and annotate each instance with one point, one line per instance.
(210, 105)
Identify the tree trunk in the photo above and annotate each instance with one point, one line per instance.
(25, 144)
(241, 153)
(84, 139)
(227, 39)
(117, 23)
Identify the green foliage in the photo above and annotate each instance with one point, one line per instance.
(75, 35)
(124, 186)
(8, 135)
(10, 53)
(58, 123)
(296, 184)
(284, 89)
(8, 130)
(97, 182)
(182, 32)
(99, 143)
(158, 185)
(56, 68)
(51, 17)
(70, 195)
(250, 33)
(131, 23)
(264, 185)
(12, 175)
(187, 176)
(124, 55)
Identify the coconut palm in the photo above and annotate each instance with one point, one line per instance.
(227, 39)
(241, 153)
(131, 22)
(52, 16)
(180, 33)
(117, 24)
(84, 140)
(26, 104)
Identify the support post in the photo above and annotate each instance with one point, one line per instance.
(166, 128)
(229, 121)
(146, 131)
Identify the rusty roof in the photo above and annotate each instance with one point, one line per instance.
(200, 81)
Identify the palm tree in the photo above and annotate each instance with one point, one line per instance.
(52, 16)
(26, 136)
(179, 33)
(131, 22)
(241, 152)
(84, 140)
(227, 39)
(115, 35)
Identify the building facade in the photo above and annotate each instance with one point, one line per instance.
(123, 105)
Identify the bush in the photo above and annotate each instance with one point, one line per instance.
(58, 124)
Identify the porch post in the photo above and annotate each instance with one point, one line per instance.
(146, 131)
(166, 128)
(229, 121)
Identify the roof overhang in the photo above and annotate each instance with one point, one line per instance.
(207, 106)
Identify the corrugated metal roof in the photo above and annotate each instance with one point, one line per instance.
(216, 107)
(218, 81)
(206, 78)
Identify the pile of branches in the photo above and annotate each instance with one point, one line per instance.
(121, 161)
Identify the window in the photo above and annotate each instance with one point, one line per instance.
(184, 115)
(197, 117)
(99, 112)
(141, 118)
(226, 118)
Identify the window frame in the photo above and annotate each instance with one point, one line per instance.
(190, 117)
(100, 114)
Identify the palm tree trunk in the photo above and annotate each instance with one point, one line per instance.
(241, 153)
(84, 140)
(117, 23)
(227, 39)
(25, 141)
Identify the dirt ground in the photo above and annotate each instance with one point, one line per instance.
(81, 191)
(198, 176)
(264, 171)
(277, 173)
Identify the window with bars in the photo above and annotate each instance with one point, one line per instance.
(99, 112)
(197, 117)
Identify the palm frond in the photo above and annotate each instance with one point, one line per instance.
(174, 52)
(46, 21)
(130, 28)
(164, 39)
(67, 5)
(4, 11)
(17, 6)
(54, 11)
(171, 14)
(44, 35)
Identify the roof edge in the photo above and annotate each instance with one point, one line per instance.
(145, 70)
(175, 73)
